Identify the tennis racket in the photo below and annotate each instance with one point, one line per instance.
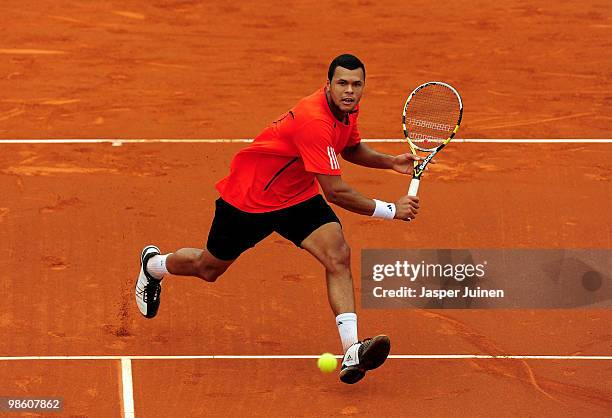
(431, 118)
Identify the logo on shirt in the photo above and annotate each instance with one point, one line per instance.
(333, 160)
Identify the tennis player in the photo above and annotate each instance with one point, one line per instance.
(273, 186)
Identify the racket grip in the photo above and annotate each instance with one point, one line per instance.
(414, 187)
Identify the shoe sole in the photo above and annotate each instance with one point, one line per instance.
(372, 357)
(376, 353)
(351, 375)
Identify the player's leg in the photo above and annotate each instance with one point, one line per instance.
(312, 225)
(183, 262)
(232, 232)
(327, 244)
(193, 262)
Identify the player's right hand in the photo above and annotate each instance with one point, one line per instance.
(406, 208)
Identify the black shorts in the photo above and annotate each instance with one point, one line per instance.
(234, 231)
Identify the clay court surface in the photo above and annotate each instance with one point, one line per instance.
(74, 217)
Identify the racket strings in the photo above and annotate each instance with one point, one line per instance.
(432, 115)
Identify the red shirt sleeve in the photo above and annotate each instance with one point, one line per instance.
(314, 143)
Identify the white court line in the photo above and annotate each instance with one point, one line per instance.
(246, 140)
(310, 356)
(127, 387)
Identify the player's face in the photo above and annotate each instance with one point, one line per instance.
(345, 88)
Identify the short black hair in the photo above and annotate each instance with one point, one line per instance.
(348, 61)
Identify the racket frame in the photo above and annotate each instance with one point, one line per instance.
(419, 167)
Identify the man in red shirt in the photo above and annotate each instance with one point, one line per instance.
(273, 186)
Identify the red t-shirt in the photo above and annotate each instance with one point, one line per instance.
(278, 168)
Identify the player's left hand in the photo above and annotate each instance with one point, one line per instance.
(404, 163)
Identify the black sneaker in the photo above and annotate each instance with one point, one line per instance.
(148, 288)
(363, 356)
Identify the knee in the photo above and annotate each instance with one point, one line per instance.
(339, 258)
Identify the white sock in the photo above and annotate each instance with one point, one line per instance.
(347, 327)
(156, 266)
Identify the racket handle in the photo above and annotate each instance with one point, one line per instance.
(414, 187)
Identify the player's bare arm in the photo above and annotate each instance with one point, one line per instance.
(338, 192)
(362, 154)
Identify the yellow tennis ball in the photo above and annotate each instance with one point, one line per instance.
(327, 363)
